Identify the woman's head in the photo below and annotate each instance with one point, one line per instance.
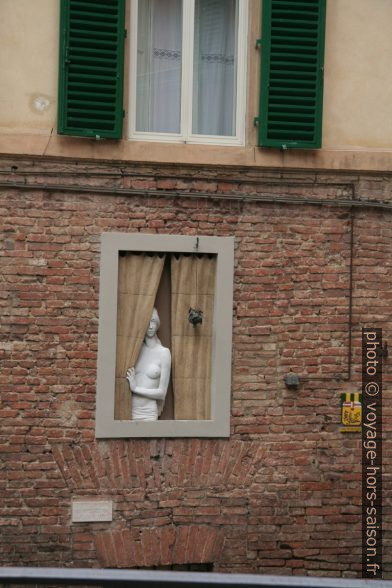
(153, 324)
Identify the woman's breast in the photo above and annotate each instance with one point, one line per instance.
(153, 371)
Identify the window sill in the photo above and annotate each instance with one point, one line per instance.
(109, 429)
(192, 140)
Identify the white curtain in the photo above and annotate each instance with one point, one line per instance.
(214, 68)
(159, 57)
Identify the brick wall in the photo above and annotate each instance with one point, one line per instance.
(283, 494)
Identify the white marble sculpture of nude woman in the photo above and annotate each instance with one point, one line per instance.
(149, 378)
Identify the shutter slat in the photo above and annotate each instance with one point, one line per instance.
(291, 107)
(294, 48)
(82, 24)
(94, 108)
(91, 68)
(99, 13)
(307, 4)
(81, 36)
(291, 73)
(106, 80)
(90, 42)
(294, 58)
(289, 12)
(91, 52)
(296, 66)
(91, 85)
(92, 62)
(291, 122)
(96, 6)
(289, 34)
(104, 70)
(91, 96)
(304, 115)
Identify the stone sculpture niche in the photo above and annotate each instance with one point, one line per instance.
(149, 378)
(172, 273)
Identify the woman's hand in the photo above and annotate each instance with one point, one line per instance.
(131, 377)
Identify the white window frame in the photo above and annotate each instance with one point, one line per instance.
(219, 423)
(186, 135)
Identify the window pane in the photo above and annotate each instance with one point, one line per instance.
(159, 53)
(214, 67)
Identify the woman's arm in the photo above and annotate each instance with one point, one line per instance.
(153, 393)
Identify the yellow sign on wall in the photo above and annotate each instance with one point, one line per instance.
(351, 412)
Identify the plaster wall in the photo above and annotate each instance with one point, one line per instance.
(28, 65)
(357, 97)
(358, 74)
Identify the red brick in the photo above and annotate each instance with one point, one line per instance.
(285, 488)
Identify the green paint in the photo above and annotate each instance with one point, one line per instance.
(91, 68)
(292, 59)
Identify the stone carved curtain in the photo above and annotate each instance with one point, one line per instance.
(138, 281)
(193, 285)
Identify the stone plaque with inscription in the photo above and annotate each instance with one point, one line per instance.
(89, 511)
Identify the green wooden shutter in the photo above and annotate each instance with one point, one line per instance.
(292, 58)
(91, 68)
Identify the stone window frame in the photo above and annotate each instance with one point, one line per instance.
(219, 424)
